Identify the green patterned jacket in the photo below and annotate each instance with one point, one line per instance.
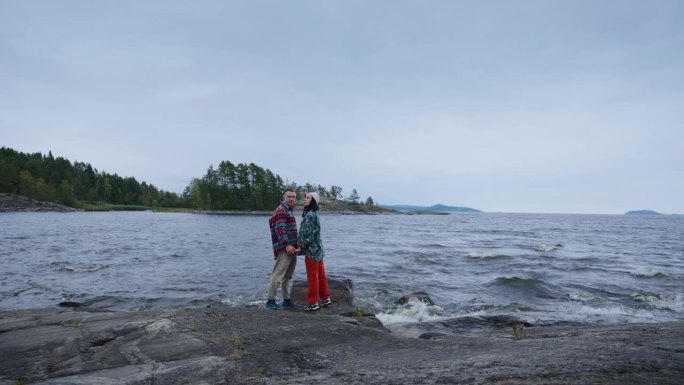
(310, 237)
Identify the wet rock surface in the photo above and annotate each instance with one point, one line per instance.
(225, 345)
(341, 292)
(418, 295)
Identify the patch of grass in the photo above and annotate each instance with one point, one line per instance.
(238, 350)
(357, 312)
(425, 212)
(518, 331)
(113, 207)
(340, 206)
(172, 210)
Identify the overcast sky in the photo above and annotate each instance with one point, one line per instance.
(504, 106)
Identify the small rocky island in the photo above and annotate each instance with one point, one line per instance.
(218, 344)
(642, 212)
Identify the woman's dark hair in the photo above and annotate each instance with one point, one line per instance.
(313, 206)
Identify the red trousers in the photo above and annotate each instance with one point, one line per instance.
(318, 283)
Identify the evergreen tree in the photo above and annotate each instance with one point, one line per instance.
(228, 187)
(335, 192)
(58, 180)
(235, 187)
(354, 197)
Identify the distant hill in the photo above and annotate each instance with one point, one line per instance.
(642, 212)
(437, 207)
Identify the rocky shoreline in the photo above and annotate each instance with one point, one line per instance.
(218, 344)
(19, 203)
(223, 345)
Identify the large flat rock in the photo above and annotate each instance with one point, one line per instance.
(224, 345)
(14, 203)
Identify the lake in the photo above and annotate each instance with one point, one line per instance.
(543, 268)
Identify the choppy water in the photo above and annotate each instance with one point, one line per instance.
(539, 267)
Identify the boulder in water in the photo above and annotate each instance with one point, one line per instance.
(341, 292)
(419, 295)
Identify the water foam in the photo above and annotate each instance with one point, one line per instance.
(582, 296)
(240, 300)
(82, 268)
(661, 302)
(607, 312)
(413, 311)
(648, 272)
(543, 248)
(475, 255)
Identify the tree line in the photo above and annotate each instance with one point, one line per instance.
(245, 187)
(46, 178)
(250, 187)
(235, 187)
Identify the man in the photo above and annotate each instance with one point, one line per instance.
(284, 236)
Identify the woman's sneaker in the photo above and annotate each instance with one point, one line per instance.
(312, 307)
(327, 302)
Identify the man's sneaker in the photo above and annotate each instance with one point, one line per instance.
(312, 307)
(271, 304)
(288, 304)
(327, 302)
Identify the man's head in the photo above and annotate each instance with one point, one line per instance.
(290, 197)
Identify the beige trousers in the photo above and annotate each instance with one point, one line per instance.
(282, 273)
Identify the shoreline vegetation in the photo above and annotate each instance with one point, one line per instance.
(219, 344)
(237, 189)
(18, 203)
(227, 187)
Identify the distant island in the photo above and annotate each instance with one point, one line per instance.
(642, 212)
(437, 207)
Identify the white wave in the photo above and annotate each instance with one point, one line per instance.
(662, 302)
(607, 313)
(648, 272)
(582, 296)
(475, 255)
(543, 248)
(241, 301)
(413, 311)
(83, 268)
(675, 303)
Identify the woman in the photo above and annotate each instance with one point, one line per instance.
(312, 249)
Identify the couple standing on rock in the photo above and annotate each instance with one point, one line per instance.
(287, 245)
